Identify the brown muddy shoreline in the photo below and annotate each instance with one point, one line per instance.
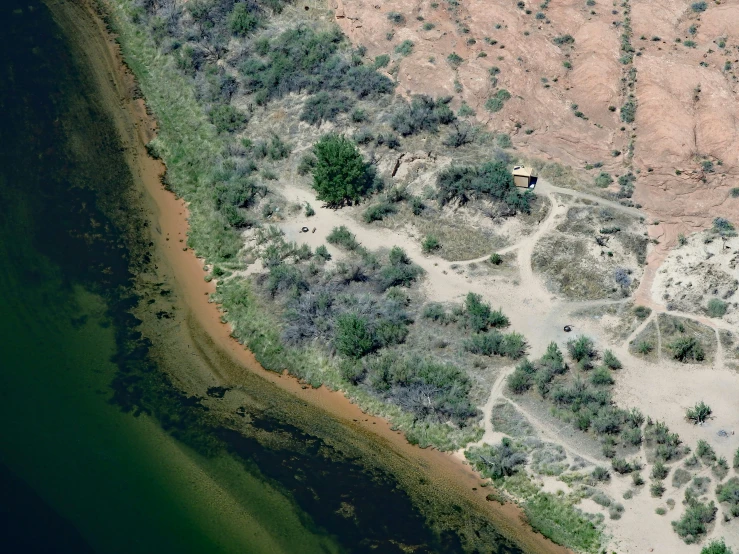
(185, 271)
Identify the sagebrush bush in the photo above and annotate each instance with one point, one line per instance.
(496, 102)
(691, 527)
(698, 413)
(497, 461)
(227, 119)
(716, 307)
(491, 180)
(343, 237)
(323, 107)
(686, 349)
(422, 114)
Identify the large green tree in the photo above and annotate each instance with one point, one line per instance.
(340, 175)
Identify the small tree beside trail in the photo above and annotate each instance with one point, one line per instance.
(699, 413)
(340, 175)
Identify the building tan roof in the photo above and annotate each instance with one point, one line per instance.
(523, 171)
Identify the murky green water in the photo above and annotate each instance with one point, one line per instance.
(99, 451)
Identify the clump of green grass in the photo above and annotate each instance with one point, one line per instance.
(561, 522)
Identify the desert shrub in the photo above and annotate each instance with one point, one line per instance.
(512, 345)
(430, 243)
(454, 60)
(495, 103)
(632, 436)
(243, 19)
(601, 499)
(734, 192)
(490, 180)
(637, 479)
(521, 379)
(729, 492)
(420, 386)
(322, 253)
(388, 139)
(644, 347)
(735, 464)
(518, 382)
(303, 60)
(603, 179)
(503, 140)
(562, 40)
(657, 489)
(616, 510)
(497, 461)
(400, 271)
(306, 164)
(628, 111)
(343, 237)
(680, 477)
(608, 421)
(495, 258)
(396, 18)
(642, 312)
(226, 118)
(462, 133)
(691, 527)
(480, 316)
(721, 468)
(634, 418)
(353, 336)
(285, 278)
(686, 349)
(621, 466)
(716, 307)
(611, 360)
(698, 413)
(378, 212)
(381, 61)
(435, 312)
(699, 7)
(716, 547)
(405, 48)
(601, 474)
(363, 136)
(582, 350)
(704, 451)
(542, 379)
(553, 359)
(659, 470)
(723, 227)
(340, 174)
(325, 107)
(422, 114)
(601, 376)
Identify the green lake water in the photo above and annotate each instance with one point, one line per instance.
(99, 451)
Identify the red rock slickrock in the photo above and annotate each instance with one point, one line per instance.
(687, 110)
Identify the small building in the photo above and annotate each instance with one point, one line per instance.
(524, 177)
